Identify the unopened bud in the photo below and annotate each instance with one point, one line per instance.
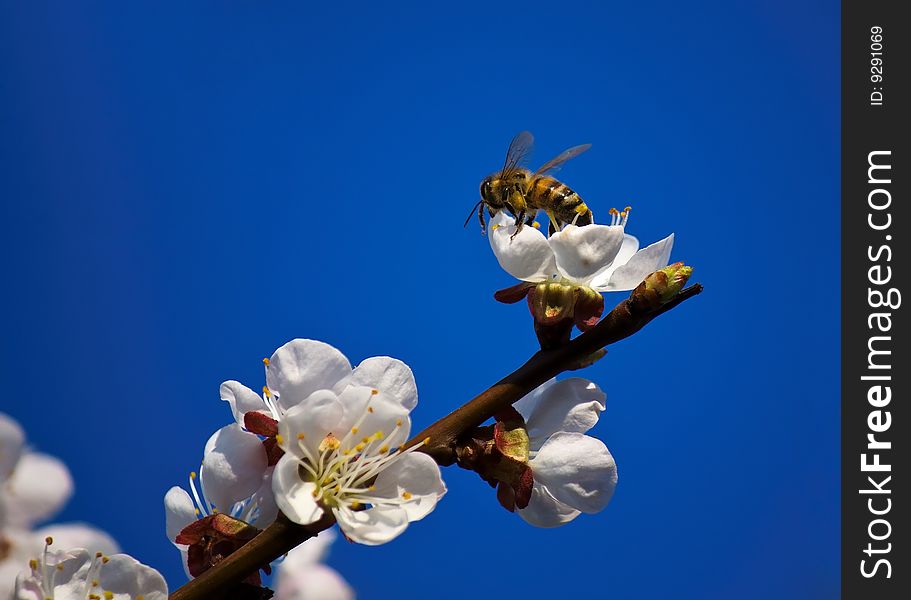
(661, 286)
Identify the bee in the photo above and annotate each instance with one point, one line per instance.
(516, 189)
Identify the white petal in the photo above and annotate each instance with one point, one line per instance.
(302, 367)
(20, 546)
(527, 403)
(79, 535)
(570, 405)
(641, 265)
(179, 511)
(528, 256)
(373, 526)
(584, 251)
(293, 495)
(390, 376)
(544, 510)
(371, 414)
(38, 489)
(232, 467)
(310, 552)
(414, 473)
(310, 421)
(123, 574)
(11, 440)
(628, 248)
(577, 469)
(311, 582)
(242, 400)
(265, 501)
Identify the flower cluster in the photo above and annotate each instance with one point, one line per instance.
(564, 275)
(34, 487)
(81, 575)
(544, 465)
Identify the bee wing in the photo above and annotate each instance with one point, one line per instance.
(557, 162)
(519, 151)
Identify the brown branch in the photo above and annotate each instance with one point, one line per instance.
(624, 320)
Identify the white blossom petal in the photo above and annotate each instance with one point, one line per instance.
(12, 439)
(528, 256)
(628, 248)
(242, 400)
(373, 526)
(417, 476)
(390, 376)
(311, 582)
(312, 551)
(302, 367)
(293, 495)
(37, 490)
(310, 421)
(265, 501)
(544, 510)
(572, 405)
(79, 535)
(127, 578)
(232, 467)
(386, 416)
(179, 511)
(582, 252)
(641, 265)
(577, 470)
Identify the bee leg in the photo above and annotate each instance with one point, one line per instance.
(531, 219)
(520, 220)
(551, 228)
(481, 218)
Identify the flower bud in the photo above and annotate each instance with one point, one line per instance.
(661, 286)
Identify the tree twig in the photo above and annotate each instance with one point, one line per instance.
(624, 320)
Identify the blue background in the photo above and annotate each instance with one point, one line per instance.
(187, 186)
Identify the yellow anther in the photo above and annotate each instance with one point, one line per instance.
(197, 512)
(48, 540)
(300, 436)
(374, 392)
(427, 440)
(365, 440)
(354, 430)
(623, 214)
(627, 209)
(330, 442)
(613, 211)
(384, 449)
(33, 564)
(214, 511)
(192, 474)
(266, 391)
(356, 505)
(347, 452)
(337, 488)
(406, 495)
(495, 227)
(266, 361)
(105, 559)
(370, 409)
(379, 435)
(315, 493)
(536, 225)
(109, 596)
(371, 487)
(279, 438)
(98, 555)
(398, 423)
(94, 597)
(59, 567)
(359, 447)
(94, 583)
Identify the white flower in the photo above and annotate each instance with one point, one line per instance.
(301, 576)
(80, 575)
(33, 488)
(341, 430)
(573, 473)
(601, 257)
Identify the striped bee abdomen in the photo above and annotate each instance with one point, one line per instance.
(555, 197)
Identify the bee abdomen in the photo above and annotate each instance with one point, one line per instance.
(568, 206)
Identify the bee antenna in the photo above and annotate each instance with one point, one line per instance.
(471, 214)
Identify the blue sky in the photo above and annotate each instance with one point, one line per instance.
(185, 187)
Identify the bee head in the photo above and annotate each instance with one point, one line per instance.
(487, 189)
